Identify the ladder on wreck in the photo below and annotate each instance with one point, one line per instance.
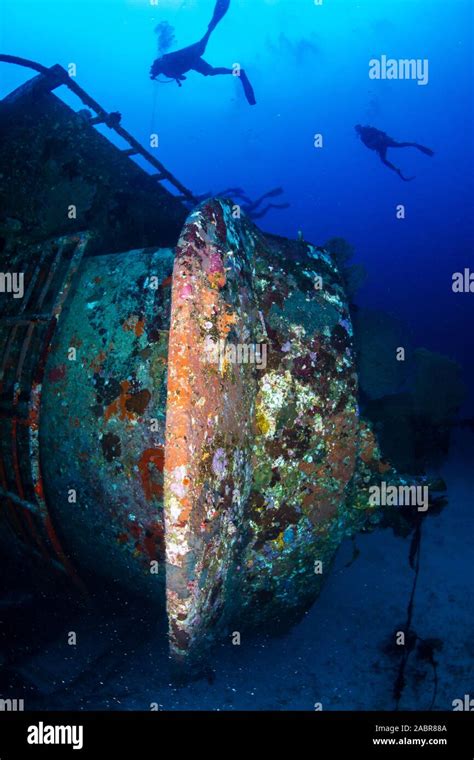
(27, 328)
(56, 75)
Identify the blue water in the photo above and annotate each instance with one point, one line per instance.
(309, 66)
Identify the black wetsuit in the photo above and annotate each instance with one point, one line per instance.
(375, 139)
(175, 65)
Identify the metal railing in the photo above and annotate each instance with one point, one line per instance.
(25, 339)
(56, 75)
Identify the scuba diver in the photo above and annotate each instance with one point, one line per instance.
(379, 141)
(175, 65)
(252, 208)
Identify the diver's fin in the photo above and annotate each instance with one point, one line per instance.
(248, 89)
(423, 149)
(259, 214)
(270, 194)
(222, 6)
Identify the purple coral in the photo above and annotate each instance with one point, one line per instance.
(219, 463)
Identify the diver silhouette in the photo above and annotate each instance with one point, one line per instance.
(175, 65)
(375, 139)
(252, 208)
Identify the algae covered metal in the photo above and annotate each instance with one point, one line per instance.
(198, 432)
(267, 463)
(178, 391)
(103, 417)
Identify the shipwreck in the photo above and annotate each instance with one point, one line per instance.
(219, 489)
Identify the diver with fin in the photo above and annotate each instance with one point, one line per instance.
(375, 139)
(175, 65)
(252, 208)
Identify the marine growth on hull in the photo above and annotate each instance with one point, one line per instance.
(183, 394)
